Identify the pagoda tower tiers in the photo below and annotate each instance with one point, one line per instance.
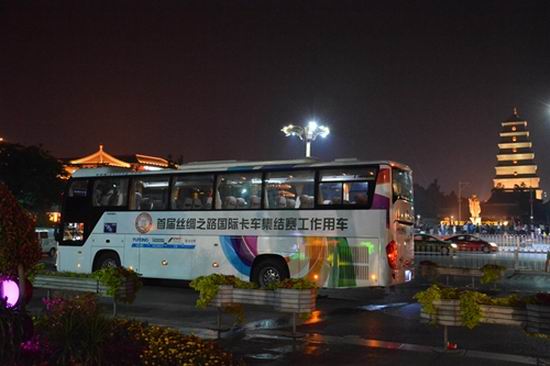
(516, 168)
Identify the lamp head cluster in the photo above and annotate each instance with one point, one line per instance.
(308, 132)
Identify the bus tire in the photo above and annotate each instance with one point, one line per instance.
(269, 270)
(52, 252)
(444, 251)
(106, 259)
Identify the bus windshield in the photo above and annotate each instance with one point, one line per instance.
(402, 185)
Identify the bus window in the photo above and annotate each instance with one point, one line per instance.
(239, 191)
(79, 188)
(149, 193)
(345, 186)
(73, 232)
(110, 192)
(402, 185)
(192, 192)
(289, 190)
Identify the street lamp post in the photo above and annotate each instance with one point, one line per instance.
(306, 133)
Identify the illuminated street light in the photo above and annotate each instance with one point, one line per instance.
(308, 133)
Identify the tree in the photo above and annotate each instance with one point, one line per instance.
(32, 175)
(19, 247)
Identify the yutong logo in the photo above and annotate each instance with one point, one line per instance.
(144, 223)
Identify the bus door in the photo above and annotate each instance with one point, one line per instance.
(75, 226)
(109, 197)
(401, 250)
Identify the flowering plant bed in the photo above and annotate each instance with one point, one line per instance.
(119, 283)
(290, 295)
(73, 332)
(453, 307)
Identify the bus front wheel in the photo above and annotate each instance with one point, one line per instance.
(105, 260)
(268, 271)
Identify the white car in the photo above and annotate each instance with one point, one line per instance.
(47, 241)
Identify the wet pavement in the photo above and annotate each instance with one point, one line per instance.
(352, 327)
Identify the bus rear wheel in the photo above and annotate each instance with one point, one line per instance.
(106, 260)
(268, 271)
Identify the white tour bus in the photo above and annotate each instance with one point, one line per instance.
(345, 223)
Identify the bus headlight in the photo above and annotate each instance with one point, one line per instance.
(494, 245)
(454, 246)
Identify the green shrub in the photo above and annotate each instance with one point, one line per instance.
(75, 330)
(470, 301)
(112, 277)
(208, 286)
(427, 297)
(491, 273)
(115, 278)
(470, 311)
(293, 283)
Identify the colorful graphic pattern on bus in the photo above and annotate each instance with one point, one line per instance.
(326, 261)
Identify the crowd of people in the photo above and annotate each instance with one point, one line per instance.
(444, 229)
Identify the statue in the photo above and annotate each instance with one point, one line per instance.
(475, 210)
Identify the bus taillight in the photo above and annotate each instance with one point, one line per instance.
(391, 252)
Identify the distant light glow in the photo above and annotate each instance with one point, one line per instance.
(312, 125)
(152, 168)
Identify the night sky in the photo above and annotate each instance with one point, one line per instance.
(424, 83)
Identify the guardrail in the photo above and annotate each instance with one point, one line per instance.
(526, 261)
(78, 284)
(523, 243)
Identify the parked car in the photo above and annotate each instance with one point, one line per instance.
(47, 241)
(429, 243)
(466, 242)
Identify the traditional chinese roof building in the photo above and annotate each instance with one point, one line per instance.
(516, 187)
(137, 162)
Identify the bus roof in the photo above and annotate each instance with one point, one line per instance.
(234, 165)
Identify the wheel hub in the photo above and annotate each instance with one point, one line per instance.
(270, 275)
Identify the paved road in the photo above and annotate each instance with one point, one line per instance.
(352, 327)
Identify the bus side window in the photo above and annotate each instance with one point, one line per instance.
(149, 193)
(192, 192)
(345, 186)
(289, 190)
(110, 192)
(238, 191)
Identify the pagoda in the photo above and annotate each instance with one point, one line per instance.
(516, 192)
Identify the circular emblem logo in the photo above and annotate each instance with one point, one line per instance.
(144, 223)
